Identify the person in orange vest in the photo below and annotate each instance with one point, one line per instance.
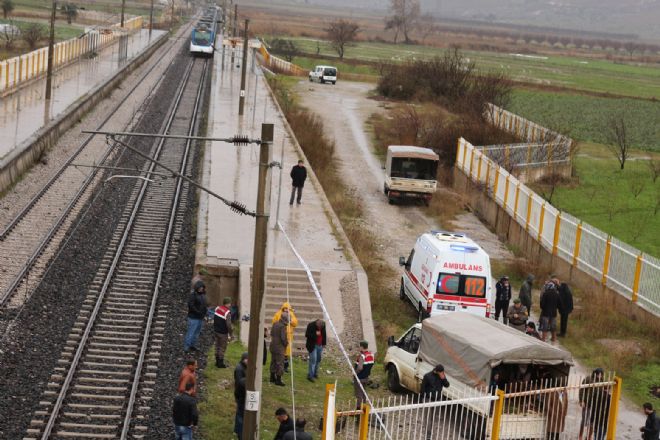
(223, 331)
(363, 365)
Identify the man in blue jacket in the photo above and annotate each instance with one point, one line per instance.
(196, 313)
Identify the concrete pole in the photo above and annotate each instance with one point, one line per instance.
(241, 99)
(51, 49)
(123, 6)
(256, 335)
(233, 34)
(151, 18)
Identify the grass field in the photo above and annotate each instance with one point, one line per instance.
(586, 117)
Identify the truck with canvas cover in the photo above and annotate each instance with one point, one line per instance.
(474, 350)
(410, 172)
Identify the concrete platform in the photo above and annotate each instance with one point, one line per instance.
(25, 111)
(225, 240)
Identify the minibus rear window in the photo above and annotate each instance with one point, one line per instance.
(461, 285)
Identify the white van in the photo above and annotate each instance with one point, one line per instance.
(323, 74)
(447, 272)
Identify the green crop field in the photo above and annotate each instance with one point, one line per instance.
(585, 118)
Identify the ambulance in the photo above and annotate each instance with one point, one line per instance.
(447, 272)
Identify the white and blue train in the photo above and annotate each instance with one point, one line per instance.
(202, 41)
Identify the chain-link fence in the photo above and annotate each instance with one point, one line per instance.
(615, 264)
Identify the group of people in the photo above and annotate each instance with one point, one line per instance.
(556, 299)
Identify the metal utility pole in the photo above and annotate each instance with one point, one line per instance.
(51, 49)
(123, 6)
(241, 99)
(255, 337)
(172, 16)
(151, 18)
(233, 34)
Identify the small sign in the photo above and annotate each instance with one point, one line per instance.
(242, 93)
(252, 401)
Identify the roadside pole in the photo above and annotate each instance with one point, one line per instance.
(51, 48)
(151, 18)
(123, 6)
(255, 337)
(279, 187)
(233, 34)
(241, 99)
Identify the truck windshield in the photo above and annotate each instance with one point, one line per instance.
(409, 168)
(461, 285)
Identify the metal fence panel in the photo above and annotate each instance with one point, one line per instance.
(567, 231)
(548, 235)
(592, 250)
(649, 284)
(622, 267)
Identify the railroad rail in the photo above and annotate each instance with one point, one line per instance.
(102, 384)
(26, 239)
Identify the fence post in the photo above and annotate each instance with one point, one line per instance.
(329, 389)
(576, 248)
(479, 168)
(614, 409)
(606, 260)
(364, 422)
(515, 202)
(506, 157)
(555, 240)
(497, 176)
(638, 272)
(497, 416)
(464, 155)
(541, 222)
(506, 190)
(529, 209)
(471, 161)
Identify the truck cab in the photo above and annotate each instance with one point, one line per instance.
(410, 173)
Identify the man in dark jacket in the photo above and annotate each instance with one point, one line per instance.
(278, 344)
(315, 341)
(299, 433)
(196, 314)
(286, 423)
(550, 304)
(566, 306)
(184, 414)
(431, 391)
(525, 293)
(651, 429)
(502, 298)
(298, 177)
(223, 331)
(240, 373)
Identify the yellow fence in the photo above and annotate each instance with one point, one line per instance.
(278, 64)
(613, 263)
(21, 69)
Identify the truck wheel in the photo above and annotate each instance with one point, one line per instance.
(310, 79)
(334, 82)
(393, 383)
(402, 292)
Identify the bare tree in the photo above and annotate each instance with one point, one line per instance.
(286, 48)
(32, 34)
(341, 33)
(393, 23)
(425, 26)
(636, 187)
(654, 168)
(617, 136)
(631, 47)
(70, 11)
(10, 33)
(405, 14)
(7, 8)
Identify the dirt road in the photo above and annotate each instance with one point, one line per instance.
(345, 108)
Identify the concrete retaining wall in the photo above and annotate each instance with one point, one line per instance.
(30, 151)
(511, 232)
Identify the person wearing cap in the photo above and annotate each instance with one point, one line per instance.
(240, 374)
(196, 313)
(550, 304)
(517, 315)
(431, 391)
(530, 330)
(502, 298)
(363, 365)
(223, 331)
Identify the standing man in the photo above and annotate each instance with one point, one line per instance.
(517, 315)
(278, 344)
(240, 373)
(184, 414)
(298, 177)
(566, 305)
(196, 314)
(315, 341)
(651, 429)
(286, 423)
(431, 391)
(525, 293)
(188, 376)
(223, 331)
(550, 304)
(292, 324)
(502, 297)
(363, 365)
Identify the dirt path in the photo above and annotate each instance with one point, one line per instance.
(344, 108)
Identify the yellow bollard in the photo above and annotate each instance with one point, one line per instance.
(606, 260)
(364, 422)
(614, 409)
(576, 249)
(555, 240)
(497, 416)
(638, 272)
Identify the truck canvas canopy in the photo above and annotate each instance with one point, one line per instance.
(470, 346)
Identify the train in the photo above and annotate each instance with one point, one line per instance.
(202, 40)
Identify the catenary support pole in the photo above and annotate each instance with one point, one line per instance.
(151, 18)
(123, 7)
(241, 99)
(51, 48)
(255, 337)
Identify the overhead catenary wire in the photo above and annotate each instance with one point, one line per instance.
(326, 315)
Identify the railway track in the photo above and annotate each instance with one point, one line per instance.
(102, 385)
(30, 238)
